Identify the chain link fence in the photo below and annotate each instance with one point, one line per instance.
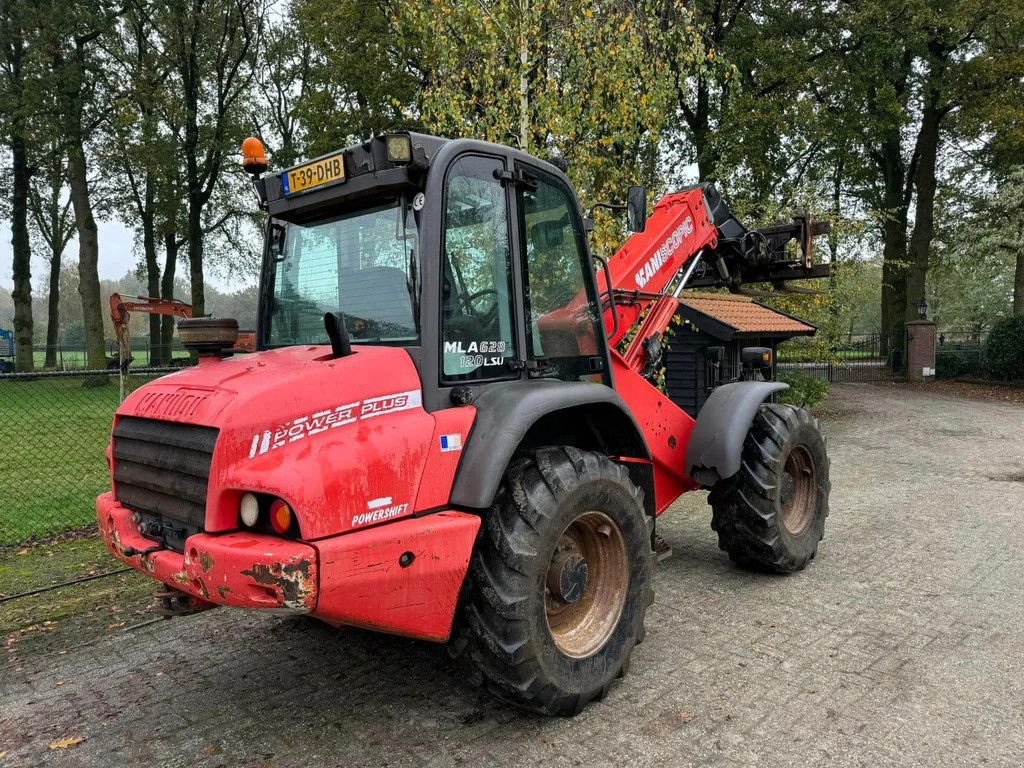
(54, 429)
(73, 357)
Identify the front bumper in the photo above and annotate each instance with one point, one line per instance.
(403, 577)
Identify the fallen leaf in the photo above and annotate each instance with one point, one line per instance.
(66, 743)
(684, 715)
(213, 749)
(59, 682)
(22, 551)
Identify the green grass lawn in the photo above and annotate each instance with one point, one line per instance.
(53, 433)
(75, 359)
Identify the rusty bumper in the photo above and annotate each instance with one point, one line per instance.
(403, 577)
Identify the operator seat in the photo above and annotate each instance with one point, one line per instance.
(380, 296)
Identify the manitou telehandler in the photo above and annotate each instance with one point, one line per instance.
(449, 430)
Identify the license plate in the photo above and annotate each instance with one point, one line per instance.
(326, 170)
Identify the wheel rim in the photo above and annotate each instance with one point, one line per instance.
(798, 496)
(586, 584)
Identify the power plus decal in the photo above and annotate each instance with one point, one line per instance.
(339, 416)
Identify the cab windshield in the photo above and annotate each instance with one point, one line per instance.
(361, 265)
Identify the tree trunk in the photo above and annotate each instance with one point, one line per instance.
(53, 307)
(925, 184)
(894, 248)
(167, 291)
(524, 81)
(195, 256)
(1018, 285)
(88, 254)
(152, 266)
(22, 253)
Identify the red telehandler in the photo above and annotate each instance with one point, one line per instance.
(449, 430)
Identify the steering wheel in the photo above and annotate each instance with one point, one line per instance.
(469, 301)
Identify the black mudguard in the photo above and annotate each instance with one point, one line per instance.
(722, 425)
(506, 413)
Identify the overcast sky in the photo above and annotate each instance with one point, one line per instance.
(117, 256)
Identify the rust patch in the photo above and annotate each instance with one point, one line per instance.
(291, 580)
(181, 577)
(223, 590)
(205, 561)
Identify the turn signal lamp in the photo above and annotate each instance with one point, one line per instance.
(280, 516)
(254, 156)
(399, 148)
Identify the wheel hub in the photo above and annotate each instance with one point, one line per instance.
(567, 576)
(798, 491)
(586, 584)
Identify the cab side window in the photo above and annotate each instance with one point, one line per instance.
(563, 320)
(477, 320)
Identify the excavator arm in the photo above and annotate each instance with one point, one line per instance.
(120, 314)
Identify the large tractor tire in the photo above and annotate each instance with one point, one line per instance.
(559, 582)
(770, 515)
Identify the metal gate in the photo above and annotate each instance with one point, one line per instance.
(856, 358)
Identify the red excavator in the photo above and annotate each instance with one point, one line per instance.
(120, 314)
(451, 428)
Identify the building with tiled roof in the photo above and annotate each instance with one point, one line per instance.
(704, 347)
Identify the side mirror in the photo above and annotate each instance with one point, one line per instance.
(277, 235)
(636, 208)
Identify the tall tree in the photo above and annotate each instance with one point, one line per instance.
(351, 85)
(55, 224)
(16, 20)
(76, 75)
(141, 151)
(584, 80)
(210, 45)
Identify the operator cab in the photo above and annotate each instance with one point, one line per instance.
(470, 255)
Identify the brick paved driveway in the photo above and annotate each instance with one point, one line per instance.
(902, 644)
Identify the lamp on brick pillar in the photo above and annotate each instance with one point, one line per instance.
(921, 346)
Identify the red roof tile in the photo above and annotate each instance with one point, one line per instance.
(743, 314)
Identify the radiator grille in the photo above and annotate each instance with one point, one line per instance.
(163, 468)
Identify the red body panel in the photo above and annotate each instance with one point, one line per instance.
(363, 583)
(244, 569)
(665, 426)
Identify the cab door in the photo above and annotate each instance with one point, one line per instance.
(564, 332)
(480, 334)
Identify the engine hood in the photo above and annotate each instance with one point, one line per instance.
(333, 437)
(273, 386)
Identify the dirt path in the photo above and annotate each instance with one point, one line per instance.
(900, 645)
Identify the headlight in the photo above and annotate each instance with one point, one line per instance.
(249, 509)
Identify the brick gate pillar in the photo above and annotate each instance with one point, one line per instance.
(920, 350)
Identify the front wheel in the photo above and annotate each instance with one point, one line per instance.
(559, 582)
(770, 515)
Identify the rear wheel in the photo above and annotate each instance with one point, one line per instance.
(559, 582)
(771, 515)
